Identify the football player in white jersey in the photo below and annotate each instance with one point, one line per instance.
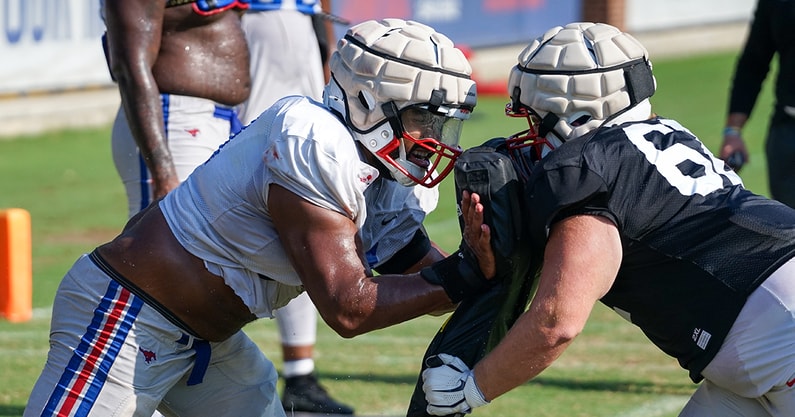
(287, 59)
(305, 198)
(631, 209)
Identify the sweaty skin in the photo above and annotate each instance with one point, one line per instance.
(325, 250)
(581, 261)
(153, 50)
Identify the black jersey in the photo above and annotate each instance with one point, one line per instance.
(695, 242)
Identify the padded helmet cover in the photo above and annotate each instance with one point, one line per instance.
(398, 61)
(585, 74)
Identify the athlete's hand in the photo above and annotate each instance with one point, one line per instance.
(733, 149)
(472, 268)
(449, 386)
(477, 235)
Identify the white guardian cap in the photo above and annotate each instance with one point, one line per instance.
(404, 90)
(576, 78)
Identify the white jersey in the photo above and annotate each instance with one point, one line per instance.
(300, 145)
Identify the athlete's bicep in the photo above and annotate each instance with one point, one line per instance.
(581, 261)
(322, 245)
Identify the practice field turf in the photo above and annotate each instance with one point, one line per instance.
(67, 182)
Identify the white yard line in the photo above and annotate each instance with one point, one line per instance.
(660, 407)
(42, 312)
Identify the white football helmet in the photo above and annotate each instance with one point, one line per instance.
(392, 77)
(575, 79)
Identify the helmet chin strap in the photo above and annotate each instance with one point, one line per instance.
(393, 117)
(385, 169)
(547, 126)
(371, 159)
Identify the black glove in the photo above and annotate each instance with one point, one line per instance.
(459, 274)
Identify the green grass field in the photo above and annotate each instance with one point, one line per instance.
(67, 182)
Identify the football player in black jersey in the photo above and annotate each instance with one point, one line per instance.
(632, 210)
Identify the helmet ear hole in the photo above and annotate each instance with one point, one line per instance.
(367, 100)
(585, 118)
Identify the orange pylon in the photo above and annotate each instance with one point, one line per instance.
(16, 265)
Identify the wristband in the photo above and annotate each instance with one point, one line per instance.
(732, 131)
(459, 275)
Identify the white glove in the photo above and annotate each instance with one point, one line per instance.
(449, 386)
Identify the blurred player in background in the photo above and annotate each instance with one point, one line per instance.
(288, 44)
(771, 34)
(178, 85)
(180, 67)
(632, 210)
(305, 198)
